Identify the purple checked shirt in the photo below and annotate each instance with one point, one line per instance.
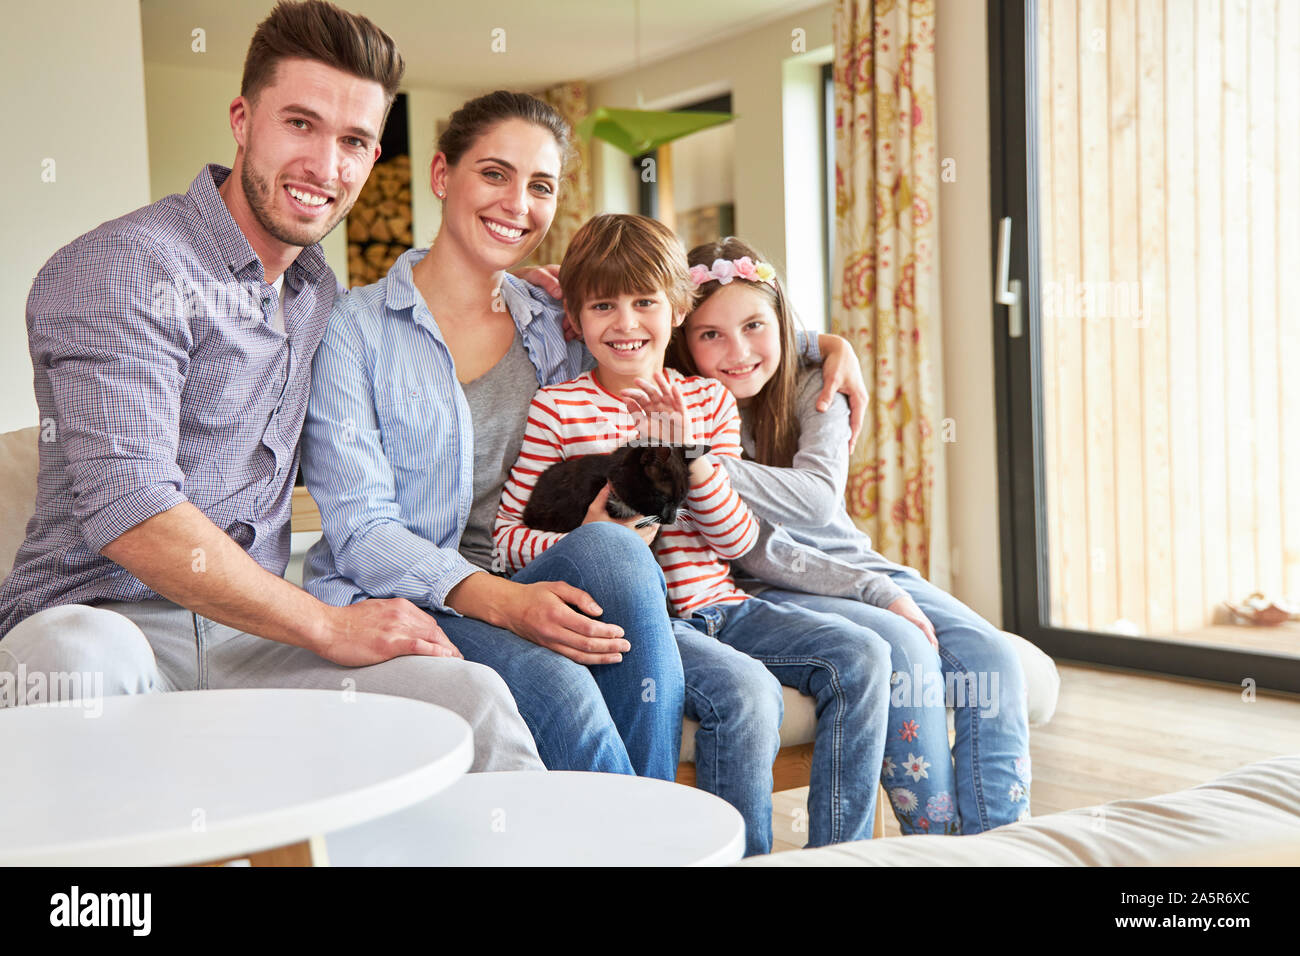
(160, 378)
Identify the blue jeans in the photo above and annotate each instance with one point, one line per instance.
(609, 718)
(984, 781)
(735, 657)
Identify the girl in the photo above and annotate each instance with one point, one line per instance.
(943, 654)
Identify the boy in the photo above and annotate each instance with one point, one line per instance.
(626, 288)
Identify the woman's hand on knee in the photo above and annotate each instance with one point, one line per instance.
(379, 629)
(906, 608)
(540, 613)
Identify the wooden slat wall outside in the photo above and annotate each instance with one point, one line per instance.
(1170, 251)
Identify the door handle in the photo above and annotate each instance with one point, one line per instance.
(1008, 291)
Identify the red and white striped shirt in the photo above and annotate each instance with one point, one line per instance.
(581, 418)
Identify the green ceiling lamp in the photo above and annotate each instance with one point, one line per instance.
(639, 131)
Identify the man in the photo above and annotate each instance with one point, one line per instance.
(172, 350)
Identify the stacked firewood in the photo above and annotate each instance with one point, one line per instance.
(379, 225)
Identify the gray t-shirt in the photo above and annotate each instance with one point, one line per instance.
(807, 541)
(498, 405)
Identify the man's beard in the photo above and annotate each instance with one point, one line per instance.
(261, 200)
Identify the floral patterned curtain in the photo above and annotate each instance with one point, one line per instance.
(886, 277)
(574, 205)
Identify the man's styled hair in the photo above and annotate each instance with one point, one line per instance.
(320, 31)
(618, 254)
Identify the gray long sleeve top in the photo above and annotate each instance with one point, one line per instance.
(807, 541)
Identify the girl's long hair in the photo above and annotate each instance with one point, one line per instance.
(771, 412)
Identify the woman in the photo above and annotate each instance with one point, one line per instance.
(419, 398)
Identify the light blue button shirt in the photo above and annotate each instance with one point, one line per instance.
(388, 444)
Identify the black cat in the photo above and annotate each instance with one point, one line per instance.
(650, 480)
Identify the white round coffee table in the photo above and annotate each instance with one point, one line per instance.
(159, 779)
(558, 818)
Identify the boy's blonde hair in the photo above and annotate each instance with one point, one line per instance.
(617, 254)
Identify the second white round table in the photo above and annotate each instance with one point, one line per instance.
(556, 818)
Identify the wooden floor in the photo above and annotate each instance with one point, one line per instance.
(1283, 640)
(1119, 735)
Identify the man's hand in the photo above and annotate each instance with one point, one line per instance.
(596, 512)
(842, 372)
(377, 630)
(905, 607)
(547, 277)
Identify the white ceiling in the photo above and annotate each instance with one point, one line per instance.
(448, 44)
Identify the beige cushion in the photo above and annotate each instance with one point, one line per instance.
(800, 723)
(1042, 679)
(18, 466)
(1249, 813)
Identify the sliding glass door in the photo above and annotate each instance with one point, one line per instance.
(1146, 169)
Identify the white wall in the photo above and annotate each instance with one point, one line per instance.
(752, 66)
(74, 93)
(698, 178)
(425, 107)
(188, 124)
(966, 267)
(804, 131)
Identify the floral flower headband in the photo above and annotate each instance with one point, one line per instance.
(724, 270)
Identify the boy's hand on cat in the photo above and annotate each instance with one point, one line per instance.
(596, 511)
(380, 629)
(842, 372)
(541, 614)
(659, 410)
(905, 607)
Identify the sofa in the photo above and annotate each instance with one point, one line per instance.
(1246, 817)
